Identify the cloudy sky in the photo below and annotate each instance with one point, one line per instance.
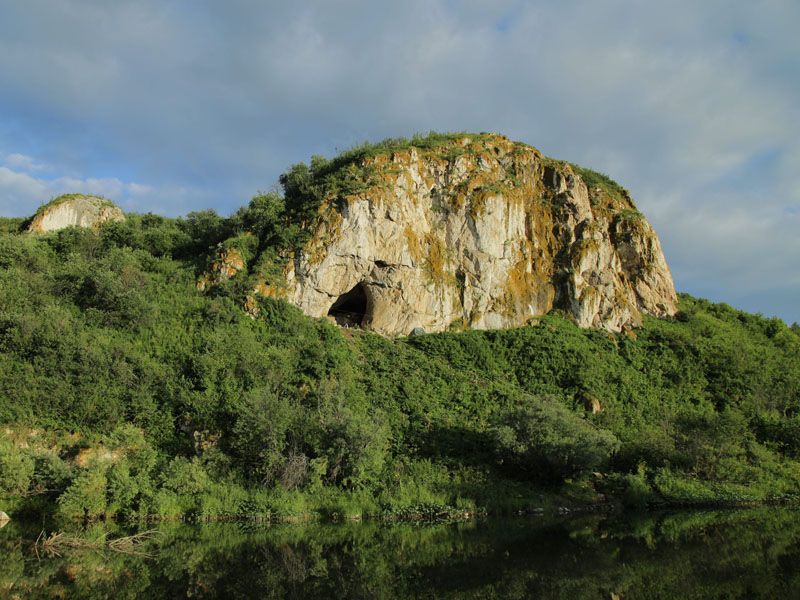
(170, 106)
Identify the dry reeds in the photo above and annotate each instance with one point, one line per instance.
(130, 544)
(56, 543)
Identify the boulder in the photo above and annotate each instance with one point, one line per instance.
(74, 210)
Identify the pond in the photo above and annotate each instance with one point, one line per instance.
(714, 554)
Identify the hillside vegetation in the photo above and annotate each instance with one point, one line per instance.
(126, 391)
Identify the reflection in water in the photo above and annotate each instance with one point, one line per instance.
(733, 554)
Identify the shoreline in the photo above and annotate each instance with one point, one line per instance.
(418, 516)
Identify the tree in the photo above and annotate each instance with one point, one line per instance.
(544, 440)
(259, 435)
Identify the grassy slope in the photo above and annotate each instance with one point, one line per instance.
(93, 336)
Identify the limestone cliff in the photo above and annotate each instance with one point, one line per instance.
(75, 210)
(478, 232)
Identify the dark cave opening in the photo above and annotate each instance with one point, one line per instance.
(350, 309)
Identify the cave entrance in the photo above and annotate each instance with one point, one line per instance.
(350, 309)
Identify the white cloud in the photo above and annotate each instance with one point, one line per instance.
(21, 193)
(18, 188)
(695, 107)
(24, 163)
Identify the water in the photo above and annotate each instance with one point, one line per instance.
(728, 554)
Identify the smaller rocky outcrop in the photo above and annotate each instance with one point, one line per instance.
(228, 262)
(591, 404)
(229, 258)
(74, 210)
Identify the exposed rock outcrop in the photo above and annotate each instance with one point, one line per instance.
(228, 262)
(229, 258)
(479, 232)
(74, 210)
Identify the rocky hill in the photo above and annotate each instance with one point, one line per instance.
(476, 231)
(147, 370)
(74, 210)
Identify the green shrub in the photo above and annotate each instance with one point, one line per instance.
(259, 436)
(51, 474)
(546, 441)
(221, 499)
(139, 453)
(596, 179)
(122, 488)
(166, 504)
(638, 492)
(353, 444)
(287, 503)
(16, 470)
(415, 482)
(85, 498)
(185, 477)
(262, 216)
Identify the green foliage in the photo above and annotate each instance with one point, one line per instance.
(596, 179)
(263, 217)
(52, 474)
(85, 498)
(154, 234)
(122, 487)
(11, 224)
(246, 244)
(629, 214)
(204, 410)
(205, 229)
(186, 477)
(547, 441)
(260, 433)
(638, 492)
(16, 470)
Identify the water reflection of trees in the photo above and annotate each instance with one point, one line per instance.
(698, 554)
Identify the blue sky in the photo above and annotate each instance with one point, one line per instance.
(171, 106)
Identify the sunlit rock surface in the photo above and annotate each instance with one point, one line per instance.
(481, 233)
(74, 210)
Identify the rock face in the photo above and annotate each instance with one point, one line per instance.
(74, 210)
(481, 233)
